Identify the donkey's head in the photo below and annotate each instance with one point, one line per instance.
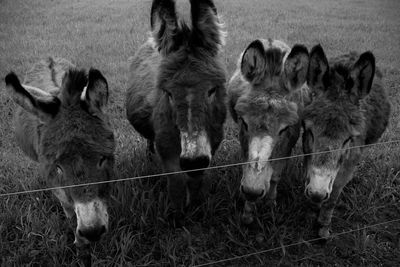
(76, 144)
(269, 123)
(191, 78)
(333, 120)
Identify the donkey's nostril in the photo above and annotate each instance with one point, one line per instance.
(251, 195)
(318, 198)
(194, 163)
(326, 197)
(92, 234)
(307, 192)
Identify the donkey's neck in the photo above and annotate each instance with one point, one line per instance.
(302, 96)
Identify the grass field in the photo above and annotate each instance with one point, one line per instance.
(103, 33)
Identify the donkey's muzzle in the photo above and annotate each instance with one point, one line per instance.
(188, 164)
(317, 198)
(251, 194)
(92, 234)
(92, 221)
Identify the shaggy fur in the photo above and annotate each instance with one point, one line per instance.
(54, 127)
(177, 85)
(266, 94)
(350, 108)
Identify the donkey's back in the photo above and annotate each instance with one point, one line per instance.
(142, 94)
(349, 108)
(46, 74)
(375, 106)
(377, 110)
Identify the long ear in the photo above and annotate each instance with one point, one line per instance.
(95, 95)
(164, 26)
(253, 62)
(32, 99)
(296, 67)
(318, 70)
(362, 75)
(206, 32)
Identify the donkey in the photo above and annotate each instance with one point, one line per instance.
(266, 94)
(176, 95)
(349, 108)
(61, 124)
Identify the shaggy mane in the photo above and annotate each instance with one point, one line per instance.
(73, 83)
(335, 118)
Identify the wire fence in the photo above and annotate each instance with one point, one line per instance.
(294, 244)
(194, 170)
(227, 166)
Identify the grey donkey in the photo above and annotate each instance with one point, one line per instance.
(176, 95)
(266, 96)
(349, 108)
(61, 123)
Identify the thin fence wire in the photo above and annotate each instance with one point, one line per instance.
(194, 170)
(294, 244)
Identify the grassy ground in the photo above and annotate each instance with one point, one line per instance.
(33, 229)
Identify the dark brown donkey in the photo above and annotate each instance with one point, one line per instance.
(349, 108)
(176, 94)
(60, 123)
(266, 94)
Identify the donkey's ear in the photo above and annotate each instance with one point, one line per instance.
(164, 26)
(318, 70)
(95, 95)
(253, 62)
(34, 100)
(206, 32)
(296, 67)
(362, 75)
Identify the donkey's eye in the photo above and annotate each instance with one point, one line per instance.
(212, 91)
(244, 124)
(309, 134)
(168, 94)
(309, 137)
(283, 130)
(102, 162)
(59, 170)
(347, 141)
(349, 84)
(308, 141)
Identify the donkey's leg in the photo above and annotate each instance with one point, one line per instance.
(176, 191)
(178, 197)
(150, 150)
(194, 185)
(325, 215)
(84, 255)
(150, 146)
(167, 143)
(249, 210)
(272, 192)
